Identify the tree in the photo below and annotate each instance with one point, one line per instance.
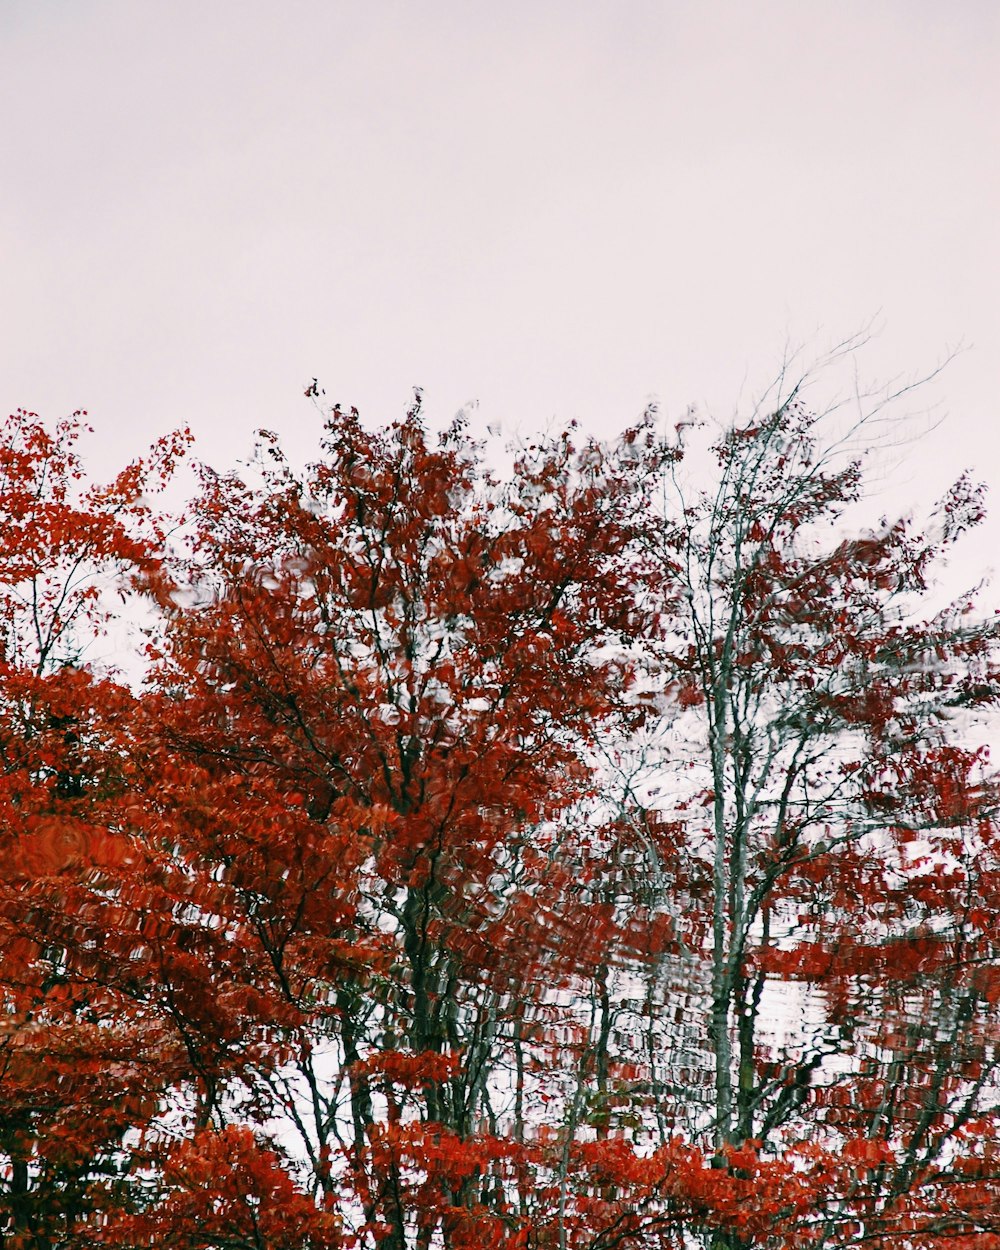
(838, 943)
(576, 861)
(393, 665)
(80, 1066)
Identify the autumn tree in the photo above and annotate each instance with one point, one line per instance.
(80, 1066)
(373, 695)
(824, 847)
(601, 857)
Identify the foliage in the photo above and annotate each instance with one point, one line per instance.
(581, 860)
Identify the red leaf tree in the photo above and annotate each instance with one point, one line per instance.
(82, 1065)
(577, 860)
(379, 682)
(824, 851)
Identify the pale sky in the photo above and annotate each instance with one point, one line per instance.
(554, 208)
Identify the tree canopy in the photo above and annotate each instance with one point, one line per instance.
(602, 856)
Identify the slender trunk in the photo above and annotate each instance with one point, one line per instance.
(721, 970)
(601, 1063)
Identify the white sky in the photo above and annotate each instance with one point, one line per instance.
(554, 208)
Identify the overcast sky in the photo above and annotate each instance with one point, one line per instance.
(556, 209)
